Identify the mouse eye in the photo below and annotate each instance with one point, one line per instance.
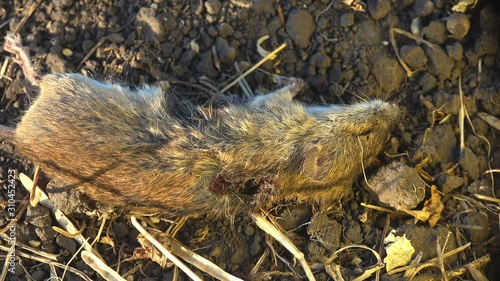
(366, 133)
(360, 129)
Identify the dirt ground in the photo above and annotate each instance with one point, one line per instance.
(345, 52)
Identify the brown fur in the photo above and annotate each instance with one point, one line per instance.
(127, 149)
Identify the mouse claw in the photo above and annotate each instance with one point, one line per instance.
(14, 46)
(12, 41)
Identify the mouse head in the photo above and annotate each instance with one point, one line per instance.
(353, 136)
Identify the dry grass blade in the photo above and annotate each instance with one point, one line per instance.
(6, 265)
(41, 257)
(414, 37)
(381, 209)
(461, 117)
(366, 274)
(492, 171)
(164, 251)
(393, 30)
(99, 233)
(487, 198)
(58, 214)
(198, 261)
(92, 51)
(178, 249)
(439, 251)
(68, 234)
(283, 240)
(35, 196)
(244, 84)
(255, 269)
(53, 273)
(69, 262)
(490, 119)
(3, 24)
(412, 270)
(100, 267)
(252, 69)
(473, 268)
(21, 246)
(4, 68)
(409, 72)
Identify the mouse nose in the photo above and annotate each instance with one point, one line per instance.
(395, 111)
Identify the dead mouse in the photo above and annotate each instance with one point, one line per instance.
(124, 148)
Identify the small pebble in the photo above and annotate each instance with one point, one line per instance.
(300, 27)
(378, 9)
(435, 32)
(213, 7)
(423, 8)
(458, 25)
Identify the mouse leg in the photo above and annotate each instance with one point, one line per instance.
(14, 46)
(270, 229)
(296, 83)
(290, 88)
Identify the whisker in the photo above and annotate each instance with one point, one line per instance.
(366, 97)
(402, 98)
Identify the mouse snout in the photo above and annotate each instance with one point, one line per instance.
(394, 113)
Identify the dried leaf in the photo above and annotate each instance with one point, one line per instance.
(431, 212)
(399, 251)
(108, 241)
(418, 215)
(356, 5)
(434, 207)
(149, 251)
(462, 5)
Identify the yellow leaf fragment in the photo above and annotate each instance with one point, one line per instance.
(434, 206)
(462, 5)
(108, 241)
(399, 251)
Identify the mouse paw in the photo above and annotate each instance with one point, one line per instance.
(285, 80)
(293, 85)
(14, 46)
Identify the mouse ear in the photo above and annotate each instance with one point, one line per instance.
(316, 164)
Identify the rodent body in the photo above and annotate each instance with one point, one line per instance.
(126, 148)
